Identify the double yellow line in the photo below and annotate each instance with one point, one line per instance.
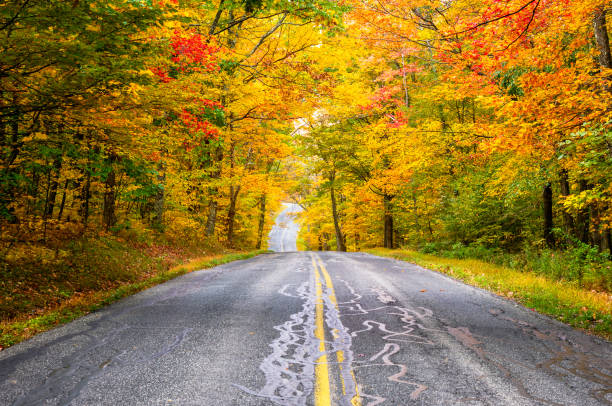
(322, 390)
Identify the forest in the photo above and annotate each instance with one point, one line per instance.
(138, 134)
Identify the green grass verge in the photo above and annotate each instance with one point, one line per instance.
(565, 301)
(13, 332)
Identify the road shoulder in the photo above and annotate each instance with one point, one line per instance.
(580, 308)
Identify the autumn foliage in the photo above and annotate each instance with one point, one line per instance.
(476, 124)
(142, 124)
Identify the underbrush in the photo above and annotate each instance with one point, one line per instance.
(579, 263)
(46, 284)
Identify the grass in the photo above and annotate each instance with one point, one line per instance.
(60, 299)
(565, 301)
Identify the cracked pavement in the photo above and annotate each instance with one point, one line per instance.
(305, 328)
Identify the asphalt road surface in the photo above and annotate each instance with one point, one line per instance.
(308, 328)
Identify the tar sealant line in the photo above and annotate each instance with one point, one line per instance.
(385, 355)
(411, 322)
(289, 369)
(382, 296)
(355, 296)
(412, 319)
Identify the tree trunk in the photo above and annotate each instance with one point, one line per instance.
(262, 220)
(44, 213)
(109, 217)
(325, 239)
(231, 213)
(601, 37)
(85, 195)
(15, 140)
(547, 200)
(388, 222)
(595, 234)
(57, 165)
(340, 242)
(607, 241)
(63, 202)
(212, 218)
(568, 220)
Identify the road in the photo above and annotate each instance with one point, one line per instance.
(306, 328)
(283, 235)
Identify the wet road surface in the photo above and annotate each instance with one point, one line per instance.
(307, 328)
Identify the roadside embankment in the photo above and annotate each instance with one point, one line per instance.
(41, 290)
(565, 301)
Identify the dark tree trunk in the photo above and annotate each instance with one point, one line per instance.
(606, 243)
(601, 37)
(262, 220)
(212, 217)
(15, 142)
(595, 234)
(44, 213)
(233, 195)
(231, 213)
(109, 217)
(213, 191)
(602, 237)
(388, 222)
(325, 239)
(340, 242)
(565, 191)
(85, 195)
(63, 202)
(547, 200)
(57, 165)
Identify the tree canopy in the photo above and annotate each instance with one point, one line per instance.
(392, 122)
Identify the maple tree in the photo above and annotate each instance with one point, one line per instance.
(486, 124)
(121, 116)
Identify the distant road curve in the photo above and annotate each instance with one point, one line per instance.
(283, 236)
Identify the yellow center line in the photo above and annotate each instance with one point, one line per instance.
(356, 401)
(322, 392)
